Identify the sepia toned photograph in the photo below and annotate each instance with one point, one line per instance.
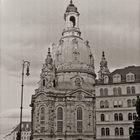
(70, 70)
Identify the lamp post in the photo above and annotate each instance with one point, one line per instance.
(27, 64)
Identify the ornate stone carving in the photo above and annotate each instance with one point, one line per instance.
(78, 82)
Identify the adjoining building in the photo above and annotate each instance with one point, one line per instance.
(116, 94)
(25, 133)
(63, 106)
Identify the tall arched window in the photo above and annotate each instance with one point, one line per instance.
(119, 90)
(102, 104)
(105, 91)
(128, 90)
(133, 90)
(133, 102)
(59, 119)
(120, 117)
(130, 130)
(134, 116)
(102, 117)
(129, 103)
(116, 131)
(130, 116)
(121, 131)
(79, 120)
(42, 115)
(101, 92)
(102, 131)
(116, 117)
(106, 104)
(107, 132)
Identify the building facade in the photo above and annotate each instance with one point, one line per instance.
(63, 106)
(116, 94)
(25, 133)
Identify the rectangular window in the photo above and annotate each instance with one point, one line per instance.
(115, 104)
(120, 104)
(79, 126)
(106, 117)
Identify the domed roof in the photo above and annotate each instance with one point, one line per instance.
(71, 7)
(73, 54)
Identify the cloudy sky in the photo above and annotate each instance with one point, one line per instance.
(28, 27)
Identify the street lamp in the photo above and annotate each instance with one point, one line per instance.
(27, 64)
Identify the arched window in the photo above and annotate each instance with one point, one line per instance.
(130, 116)
(115, 91)
(116, 78)
(59, 119)
(79, 120)
(101, 92)
(43, 82)
(72, 19)
(129, 103)
(105, 91)
(102, 131)
(133, 90)
(42, 110)
(106, 79)
(133, 102)
(79, 113)
(128, 90)
(134, 116)
(107, 132)
(102, 117)
(42, 115)
(121, 131)
(106, 104)
(60, 113)
(116, 117)
(116, 131)
(120, 117)
(130, 130)
(130, 77)
(102, 104)
(119, 91)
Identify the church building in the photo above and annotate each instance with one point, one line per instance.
(63, 106)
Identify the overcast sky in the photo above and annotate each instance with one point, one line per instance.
(28, 27)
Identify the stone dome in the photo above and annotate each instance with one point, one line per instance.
(74, 54)
(73, 59)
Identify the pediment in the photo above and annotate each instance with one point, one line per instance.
(40, 96)
(84, 93)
